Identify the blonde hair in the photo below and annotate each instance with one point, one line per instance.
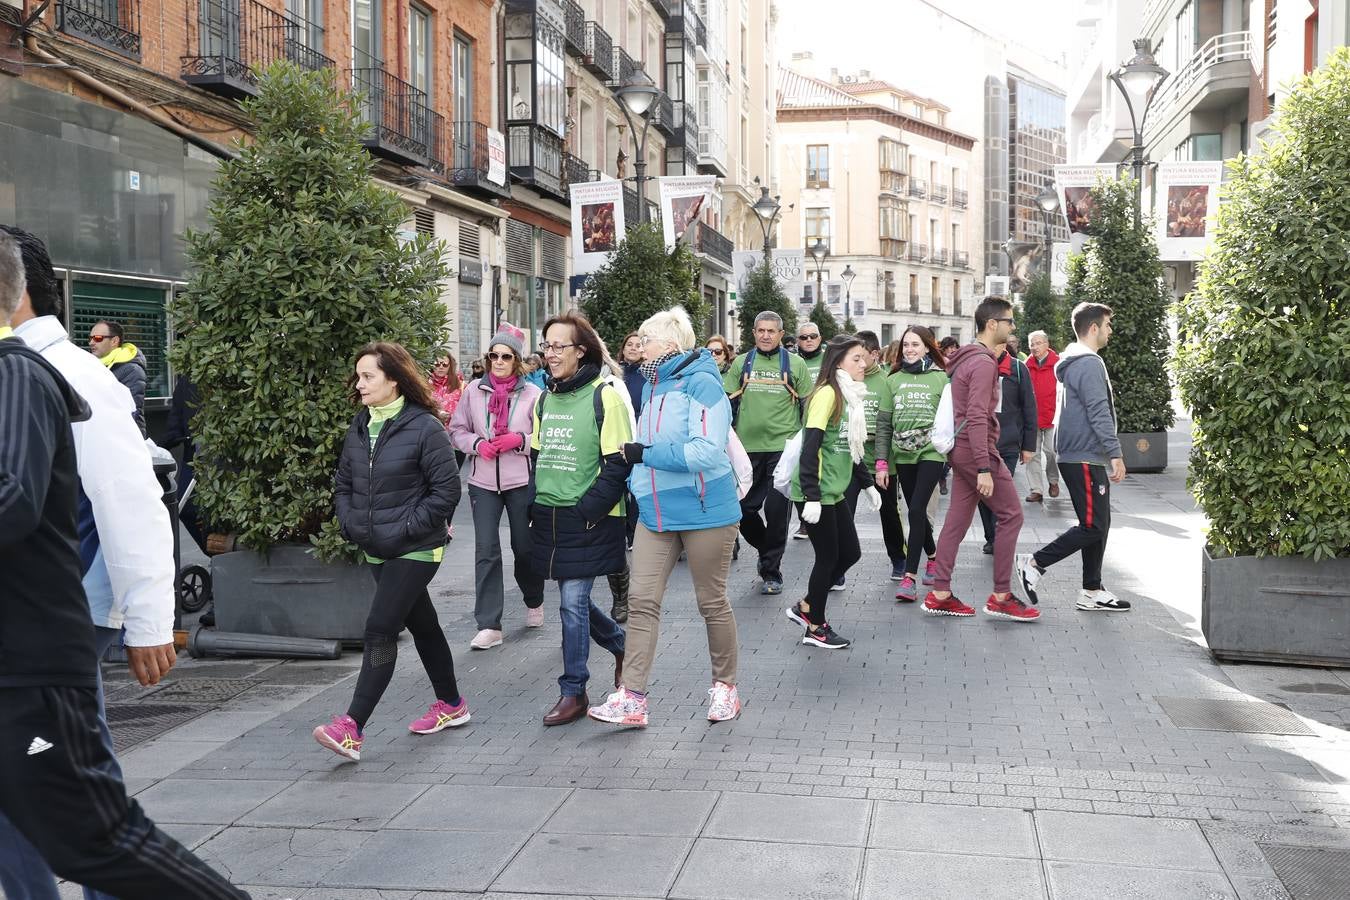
(671, 325)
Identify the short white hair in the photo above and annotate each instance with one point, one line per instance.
(12, 275)
(671, 325)
(1038, 334)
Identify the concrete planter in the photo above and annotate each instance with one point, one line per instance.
(1144, 453)
(291, 594)
(1281, 609)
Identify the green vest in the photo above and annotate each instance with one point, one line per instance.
(569, 447)
(836, 461)
(878, 396)
(914, 404)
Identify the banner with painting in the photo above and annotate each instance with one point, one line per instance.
(683, 199)
(597, 223)
(1187, 198)
(1075, 184)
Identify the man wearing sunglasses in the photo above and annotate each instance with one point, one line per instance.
(810, 348)
(125, 360)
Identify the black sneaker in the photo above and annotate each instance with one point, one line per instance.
(898, 571)
(794, 612)
(801, 534)
(825, 638)
(988, 548)
(772, 586)
(840, 584)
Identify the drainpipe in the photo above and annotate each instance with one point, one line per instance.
(112, 93)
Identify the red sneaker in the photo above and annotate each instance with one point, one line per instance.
(949, 607)
(1012, 608)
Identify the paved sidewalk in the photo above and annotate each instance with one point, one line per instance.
(934, 758)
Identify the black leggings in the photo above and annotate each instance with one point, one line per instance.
(918, 481)
(401, 600)
(835, 541)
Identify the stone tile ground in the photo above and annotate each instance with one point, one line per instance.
(936, 757)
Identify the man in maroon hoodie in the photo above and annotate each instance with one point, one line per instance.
(978, 472)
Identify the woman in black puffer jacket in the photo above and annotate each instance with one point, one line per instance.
(397, 487)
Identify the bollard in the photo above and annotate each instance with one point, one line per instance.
(236, 645)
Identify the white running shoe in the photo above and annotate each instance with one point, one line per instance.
(486, 639)
(725, 703)
(1029, 574)
(1101, 600)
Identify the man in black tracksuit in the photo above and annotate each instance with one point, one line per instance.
(58, 782)
(1017, 431)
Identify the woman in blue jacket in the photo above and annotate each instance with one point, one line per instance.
(687, 502)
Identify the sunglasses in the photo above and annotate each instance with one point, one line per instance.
(717, 351)
(808, 337)
(503, 357)
(99, 338)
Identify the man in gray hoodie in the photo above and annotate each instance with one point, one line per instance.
(1087, 447)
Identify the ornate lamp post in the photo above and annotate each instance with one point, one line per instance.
(637, 97)
(766, 210)
(1138, 81)
(847, 277)
(818, 252)
(1048, 201)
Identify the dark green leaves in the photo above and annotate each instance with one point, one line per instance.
(640, 279)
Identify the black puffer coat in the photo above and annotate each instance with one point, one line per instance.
(398, 497)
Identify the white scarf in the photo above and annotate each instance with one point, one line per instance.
(855, 396)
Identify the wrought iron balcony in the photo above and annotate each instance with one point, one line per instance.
(574, 170)
(461, 154)
(398, 116)
(235, 39)
(112, 24)
(535, 155)
(685, 133)
(938, 193)
(939, 256)
(961, 259)
(598, 56)
(574, 35)
(713, 243)
(624, 67)
(918, 252)
(918, 187)
(960, 198)
(663, 117)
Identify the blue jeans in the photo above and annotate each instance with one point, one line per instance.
(24, 874)
(581, 621)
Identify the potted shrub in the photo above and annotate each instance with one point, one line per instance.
(1263, 362)
(640, 279)
(301, 265)
(1119, 266)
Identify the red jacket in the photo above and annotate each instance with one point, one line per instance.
(1043, 384)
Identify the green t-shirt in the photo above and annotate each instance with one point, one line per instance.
(836, 462)
(914, 403)
(769, 413)
(378, 416)
(570, 445)
(878, 398)
(813, 365)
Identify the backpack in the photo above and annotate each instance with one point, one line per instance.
(784, 375)
(944, 424)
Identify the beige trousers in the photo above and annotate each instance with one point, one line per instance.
(654, 557)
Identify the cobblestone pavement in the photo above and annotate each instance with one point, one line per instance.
(934, 758)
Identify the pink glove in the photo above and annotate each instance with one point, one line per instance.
(512, 440)
(487, 450)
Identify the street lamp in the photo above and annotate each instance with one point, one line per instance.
(766, 210)
(1048, 201)
(1137, 81)
(847, 277)
(818, 252)
(637, 97)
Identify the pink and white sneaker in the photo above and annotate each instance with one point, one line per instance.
(534, 618)
(623, 707)
(342, 736)
(440, 716)
(725, 704)
(930, 572)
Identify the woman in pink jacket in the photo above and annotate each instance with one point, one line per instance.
(492, 426)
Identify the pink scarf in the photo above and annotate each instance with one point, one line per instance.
(499, 404)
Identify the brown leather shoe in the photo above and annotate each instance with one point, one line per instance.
(618, 669)
(1034, 497)
(567, 709)
(1054, 490)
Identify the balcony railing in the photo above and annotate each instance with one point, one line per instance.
(535, 155)
(663, 117)
(918, 187)
(686, 128)
(598, 57)
(574, 170)
(960, 198)
(918, 252)
(112, 24)
(938, 193)
(630, 209)
(235, 39)
(461, 155)
(624, 66)
(940, 256)
(574, 35)
(1232, 47)
(961, 259)
(397, 114)
(714, 244)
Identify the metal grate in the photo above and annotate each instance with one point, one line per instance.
(1310, 873)
(1241, 716)
(136, 723)
(203, 690)
(552, 256)
(519, 247)
(424, 221)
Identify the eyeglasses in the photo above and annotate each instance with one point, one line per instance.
(554, 348)
(717, 351)
(808, 337)
(504, 357)
(99, 338)
(1008, 320)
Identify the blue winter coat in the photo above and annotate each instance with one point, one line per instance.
(684, 481)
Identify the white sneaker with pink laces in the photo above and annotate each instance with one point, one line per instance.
(725, 703)
(623, 707)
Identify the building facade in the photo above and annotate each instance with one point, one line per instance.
(880, 177)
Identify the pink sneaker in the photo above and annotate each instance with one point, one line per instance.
(440, 716)
(725, 703)
(534, 618)
(623, 707)
(341, 736)
(930, 572)
(908, 591)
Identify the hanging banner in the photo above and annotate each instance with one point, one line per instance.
(1074, 184)
(682, 200)
(789, 270)
(597, 223)
(1059, 266)
(1188, 194)
(496, 145)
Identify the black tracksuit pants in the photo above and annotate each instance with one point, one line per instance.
(835, 541)
(769, 534)
(1090, 491)
(59, 786)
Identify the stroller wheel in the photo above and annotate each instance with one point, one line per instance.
(194, 588)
